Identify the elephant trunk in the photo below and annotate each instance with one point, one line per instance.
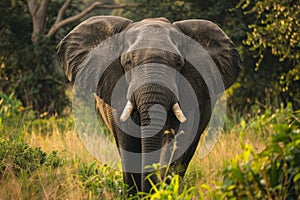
(154, 98)
(153, 103)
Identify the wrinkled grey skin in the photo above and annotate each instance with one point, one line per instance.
(79, 50)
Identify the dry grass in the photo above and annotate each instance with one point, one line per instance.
(61, 183)
(207, 168)
(64, 141)
(43, 184)
(49, 183)
(226, 149)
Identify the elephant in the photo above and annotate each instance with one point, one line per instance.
(155, 84)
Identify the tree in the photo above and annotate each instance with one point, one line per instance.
(171, 9)
(277, 28)
(274, 41)
(30, 31)
(38, 12)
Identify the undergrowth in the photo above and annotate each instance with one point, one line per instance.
(42, 158)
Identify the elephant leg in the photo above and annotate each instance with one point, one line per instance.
(126, 145)
(181, 164)
(130, 153)
(168, 147)
(187, 141)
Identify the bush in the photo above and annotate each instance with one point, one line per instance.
(102, 181)
(22, 158)
(275, 172)
(10, 106)
(171, 191)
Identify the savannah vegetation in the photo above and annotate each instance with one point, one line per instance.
(256, 157)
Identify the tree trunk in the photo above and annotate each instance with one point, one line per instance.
(38, 12)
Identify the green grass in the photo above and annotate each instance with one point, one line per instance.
(44, 159)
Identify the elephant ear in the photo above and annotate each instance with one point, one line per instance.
(75, 47)
(219, 47)
(89, 54)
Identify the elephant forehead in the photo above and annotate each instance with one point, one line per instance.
(159, 19)
(153, 25)
(152, 37)
(154, 22)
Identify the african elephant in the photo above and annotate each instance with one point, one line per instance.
(169, 76)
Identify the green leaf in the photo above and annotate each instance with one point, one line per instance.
(296, 177)
(281, 137)
(271, 150)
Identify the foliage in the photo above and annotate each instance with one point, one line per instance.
(14, 38)
(14, 152)
(168, 188)
(273, 38)
(29, 69)
(22, 158)
(259, 121)
(264, 123)
(272, 173)
(277, 27)
(102, 180)
(263, 87)
(11, 111)
(46, 126)
(171, 9)
(10, 106)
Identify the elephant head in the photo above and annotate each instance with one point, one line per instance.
(152, 76)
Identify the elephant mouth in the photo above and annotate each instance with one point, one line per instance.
(129, 108)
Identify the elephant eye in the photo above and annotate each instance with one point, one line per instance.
(128, 62)
(180, 62)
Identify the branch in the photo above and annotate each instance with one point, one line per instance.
(62, 10)
(94, 6)
(37, 8)
(32, 6)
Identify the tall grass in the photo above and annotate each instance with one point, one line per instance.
(45, 159)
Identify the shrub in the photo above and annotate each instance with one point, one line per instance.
(275, 172)
(102, 181)
(171, 191)
(10, 106)
(22, 158)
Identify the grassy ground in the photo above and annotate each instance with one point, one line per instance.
(55, 164)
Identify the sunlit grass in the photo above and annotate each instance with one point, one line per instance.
(66, 141)
(226, 149)
(81, 176)
(201, 170)
(62, 137)
(42, 184)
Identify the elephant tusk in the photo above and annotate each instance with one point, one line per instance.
(126, 112)
(178, 113)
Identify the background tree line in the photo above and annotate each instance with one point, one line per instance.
(265, 31)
